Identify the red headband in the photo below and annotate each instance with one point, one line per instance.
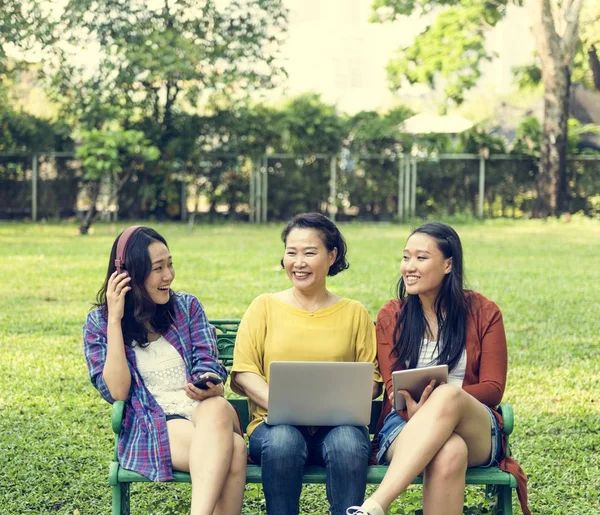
(122, 246)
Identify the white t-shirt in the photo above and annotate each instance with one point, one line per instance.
(429, 355)
(163, 371)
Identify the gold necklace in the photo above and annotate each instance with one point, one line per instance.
(310, 313)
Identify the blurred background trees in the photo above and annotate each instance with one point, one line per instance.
(169, 106)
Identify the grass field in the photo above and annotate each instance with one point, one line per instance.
(55, 438)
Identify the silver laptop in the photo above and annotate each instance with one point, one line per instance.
(320, 393)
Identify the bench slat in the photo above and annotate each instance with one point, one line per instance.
(315, 474)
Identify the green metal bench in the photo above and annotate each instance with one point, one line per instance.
(498, 484)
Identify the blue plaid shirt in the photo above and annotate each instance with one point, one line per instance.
(144, 443)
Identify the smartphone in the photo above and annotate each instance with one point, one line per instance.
(201, 383)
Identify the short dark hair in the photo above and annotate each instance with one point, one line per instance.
(139, 307)
(330, 236)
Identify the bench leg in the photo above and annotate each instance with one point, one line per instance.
(120, 499)
(504, 500)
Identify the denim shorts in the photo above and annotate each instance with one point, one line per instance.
(175, 417)
(394, 423)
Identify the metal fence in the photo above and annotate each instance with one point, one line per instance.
(276, 186)
(39, 185)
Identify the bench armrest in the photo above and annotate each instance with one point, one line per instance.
(117, 416)
(508, 416)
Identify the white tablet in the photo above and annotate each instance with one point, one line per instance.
(415, 380)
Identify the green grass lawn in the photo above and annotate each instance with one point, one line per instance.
(55, 438)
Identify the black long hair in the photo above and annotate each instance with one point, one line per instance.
(450, 307)
(139, 308)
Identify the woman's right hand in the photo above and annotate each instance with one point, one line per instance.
(116, 289)
(411, 405)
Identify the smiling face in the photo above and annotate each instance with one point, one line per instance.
(424, 266)
(306, 259)
(161, 274)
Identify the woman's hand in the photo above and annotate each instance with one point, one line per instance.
(116, 289)
(411, 406)
(197, 394)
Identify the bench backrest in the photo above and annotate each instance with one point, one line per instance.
(226, 333)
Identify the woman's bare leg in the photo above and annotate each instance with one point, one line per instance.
(205, 447)
(232, 495)
(448, 410)
(444, 479)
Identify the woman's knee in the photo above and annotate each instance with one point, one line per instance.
(285, 442)
(447, 398)
(239, 457)
(215, 409)
(347, 444)
(450, 460)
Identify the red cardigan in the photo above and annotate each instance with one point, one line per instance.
(485, 374)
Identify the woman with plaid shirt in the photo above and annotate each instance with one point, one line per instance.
(147, 345)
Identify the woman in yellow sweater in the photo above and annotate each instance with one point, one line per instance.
(305, 323)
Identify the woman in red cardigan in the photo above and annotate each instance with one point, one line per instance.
(454, 425)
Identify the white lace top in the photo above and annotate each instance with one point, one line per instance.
(163, 370)
(427, 358)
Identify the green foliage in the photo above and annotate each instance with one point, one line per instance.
(23, 132)
(481, 140)
(158, 59)
(160, 63)
(530, 76)
(371, 132)
(23, 25)
(576, 131)
(528, 137)
(312, 126)
(450, 50)
(110, 152)
(55, 435)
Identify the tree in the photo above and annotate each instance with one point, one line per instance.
(161, 61)
(111, 155)
(451, 49)
(23, 26)
(556, 49)
(587, 54)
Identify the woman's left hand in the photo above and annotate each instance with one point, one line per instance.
(197, 394)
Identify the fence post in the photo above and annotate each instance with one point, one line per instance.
(413, 192)
(401, 188)
(265, 188)
(481, 185)
(252, 195)
(183, 214)
(407, 188)
(258, 191)
(332, 188)
(34, 187)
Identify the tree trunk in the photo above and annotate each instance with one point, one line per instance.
(92, 212)
(556, 55)
(551, 184)
(594, 66)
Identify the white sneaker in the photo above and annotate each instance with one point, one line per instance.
(356, 510)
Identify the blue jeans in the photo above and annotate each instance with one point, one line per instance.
(283, 451)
